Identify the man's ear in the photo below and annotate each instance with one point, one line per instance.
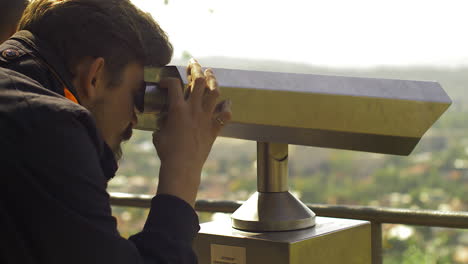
(89, 76)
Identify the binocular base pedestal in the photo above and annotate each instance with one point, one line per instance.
(275, 211)
(330, 241)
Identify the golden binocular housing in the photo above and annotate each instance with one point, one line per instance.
(363, 114)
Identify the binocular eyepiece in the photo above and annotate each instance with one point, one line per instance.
(152, 100)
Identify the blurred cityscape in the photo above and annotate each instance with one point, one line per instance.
(434, 176)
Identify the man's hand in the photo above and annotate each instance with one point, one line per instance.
(193, 122)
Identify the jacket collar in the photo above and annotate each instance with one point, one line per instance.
(45, 55)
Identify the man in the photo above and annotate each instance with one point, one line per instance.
(10, 14)
(68, 82)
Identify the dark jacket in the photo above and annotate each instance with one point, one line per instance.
(54, 168)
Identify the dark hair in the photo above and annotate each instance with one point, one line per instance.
(11, 10)
(113, 29)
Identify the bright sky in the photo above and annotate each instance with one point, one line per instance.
(347, 33)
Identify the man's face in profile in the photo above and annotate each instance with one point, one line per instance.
(115, 112)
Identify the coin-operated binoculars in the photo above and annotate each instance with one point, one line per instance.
(278, 109)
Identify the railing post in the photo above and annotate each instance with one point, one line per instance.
(376, 240)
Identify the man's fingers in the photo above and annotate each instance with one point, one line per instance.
(198, 82)
(174, 87)
(221, 120)
(211, 79)
(223, 116)
(212, 93)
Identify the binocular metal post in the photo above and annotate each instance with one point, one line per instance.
(272, 207)
(254, 236)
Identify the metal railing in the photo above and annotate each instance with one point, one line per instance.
(376, 215)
